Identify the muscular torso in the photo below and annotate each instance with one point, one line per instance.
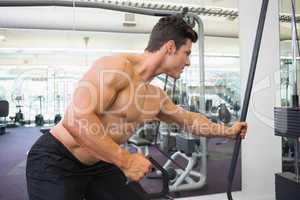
(134, 105)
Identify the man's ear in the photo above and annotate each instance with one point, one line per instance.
(170, 47)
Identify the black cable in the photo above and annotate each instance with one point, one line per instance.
(165, 83)
(174, 91)
(295, 23)
(247, 95)
(295, 97)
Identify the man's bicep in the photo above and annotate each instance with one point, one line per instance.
(169, 112)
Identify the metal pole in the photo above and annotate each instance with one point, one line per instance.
(165, 83)
(294, 50)
(201, 60)
(297, 159)
(203, 140)
(295, 98)
(87, 4)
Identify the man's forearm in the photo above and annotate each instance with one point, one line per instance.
(198, 124)
(89, 132)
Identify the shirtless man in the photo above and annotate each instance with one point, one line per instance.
(82, 157)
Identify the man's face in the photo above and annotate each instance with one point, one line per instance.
(176, 60)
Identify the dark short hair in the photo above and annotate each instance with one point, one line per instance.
(170, 28)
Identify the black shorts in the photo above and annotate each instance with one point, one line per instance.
(53, 173)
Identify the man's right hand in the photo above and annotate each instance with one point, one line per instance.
(136, 166)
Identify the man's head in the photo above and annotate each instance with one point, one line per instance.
(172, 38)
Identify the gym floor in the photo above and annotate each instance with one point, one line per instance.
(18, 141)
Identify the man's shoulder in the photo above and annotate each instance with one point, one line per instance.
(114, 63)
(157, 90)
(112, 70)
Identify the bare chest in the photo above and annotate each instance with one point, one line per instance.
(136, 103)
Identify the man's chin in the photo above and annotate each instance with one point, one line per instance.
(176, 76)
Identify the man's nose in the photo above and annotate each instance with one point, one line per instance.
(187, 64)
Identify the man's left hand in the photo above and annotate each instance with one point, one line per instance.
(238, 128)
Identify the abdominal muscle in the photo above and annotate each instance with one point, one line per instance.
(83, 154)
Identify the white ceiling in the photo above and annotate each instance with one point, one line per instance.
(88, 19)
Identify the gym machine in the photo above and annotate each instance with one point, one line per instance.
(18, 119)
(39, 118)
(57, 116)
(4, 110)
(193, 175)
(286, 121)
(56, 101)
(287, 125)
(224, 114)
(188, 147)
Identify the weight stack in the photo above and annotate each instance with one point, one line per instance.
(286, 186)
(287, 122)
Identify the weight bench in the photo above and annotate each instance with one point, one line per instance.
(138, 143)
(144, 137)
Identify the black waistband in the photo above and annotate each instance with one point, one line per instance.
(50, 144)
(61, 148)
